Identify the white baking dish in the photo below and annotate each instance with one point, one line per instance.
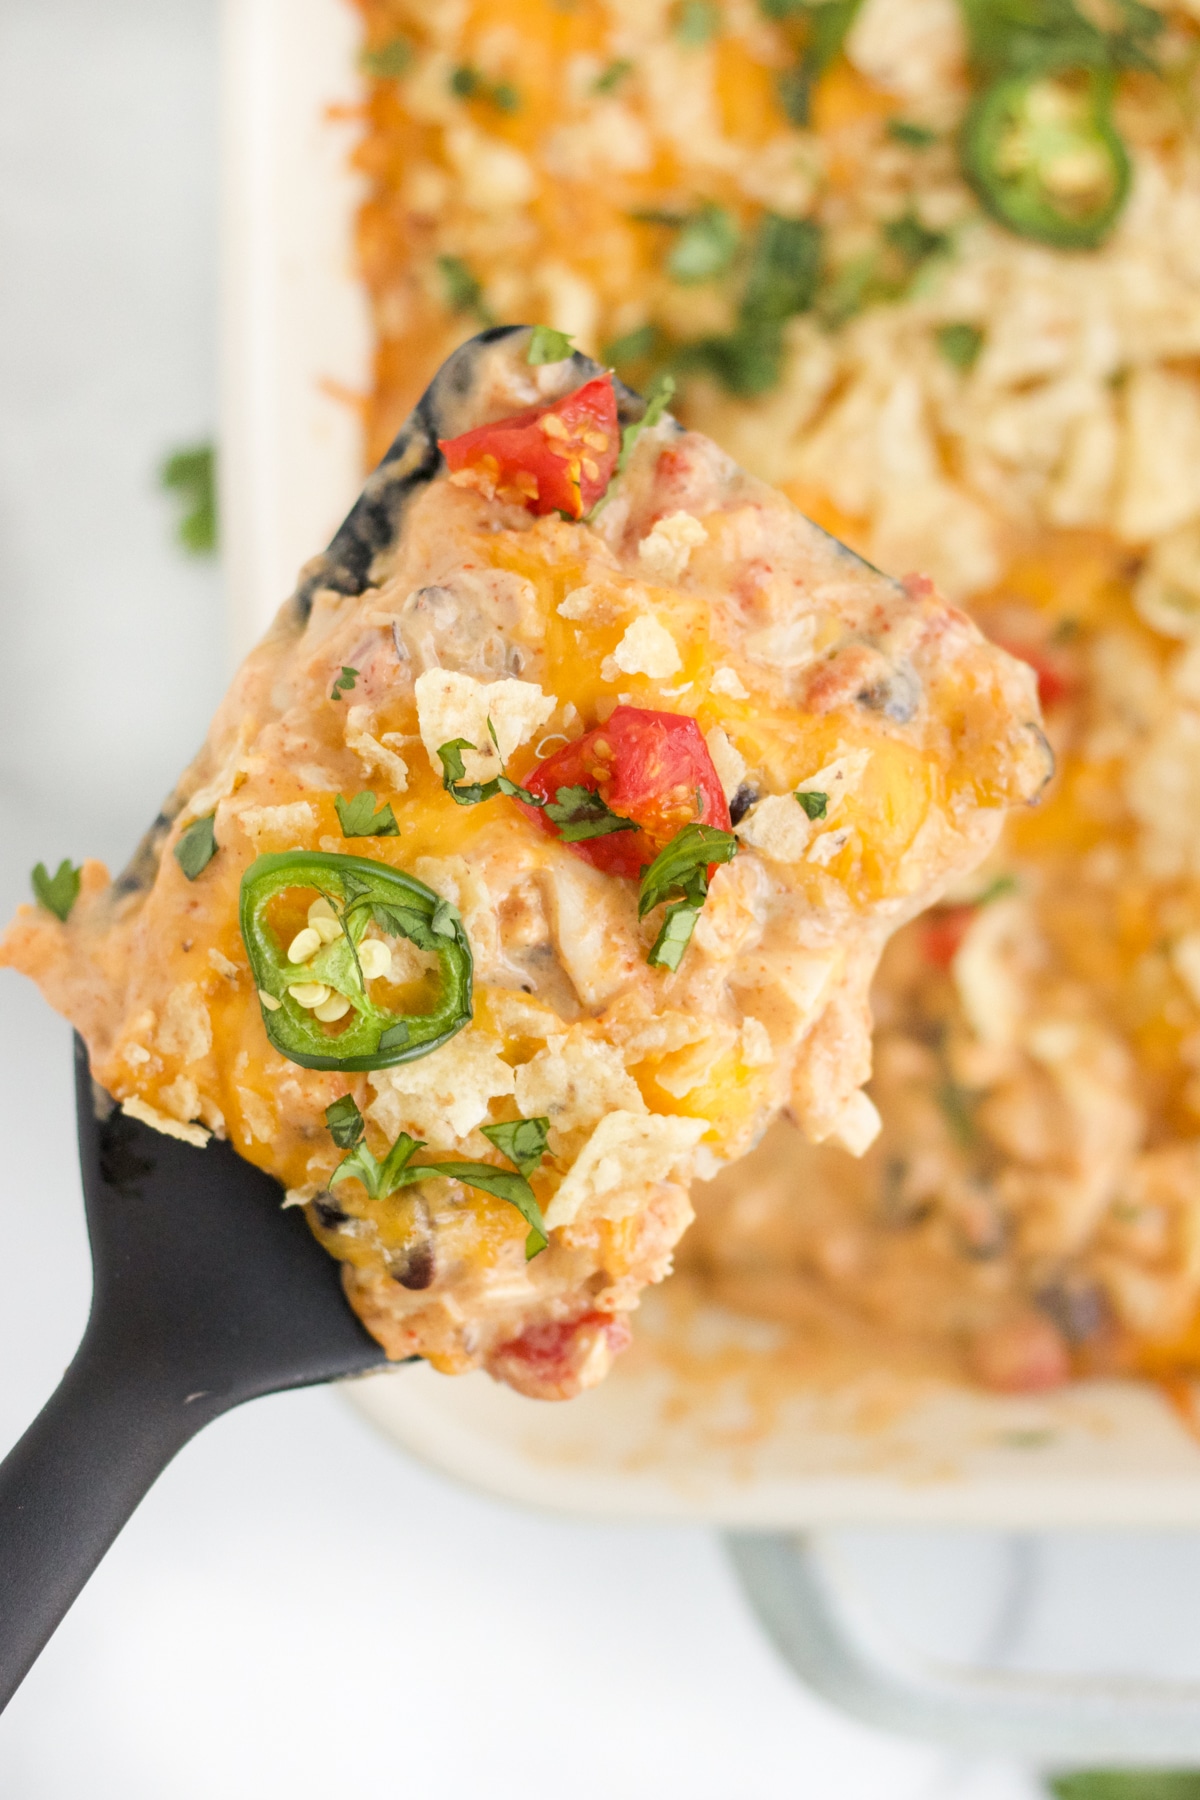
(646, 1445)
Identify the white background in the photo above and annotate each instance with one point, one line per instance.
(296, 1610)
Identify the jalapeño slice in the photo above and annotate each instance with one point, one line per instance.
(1045, 159)
(358, 892)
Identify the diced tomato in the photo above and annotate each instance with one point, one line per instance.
(942, 931)
(558, 1360)
(651, 767)
(1055, 680)
(556, 458)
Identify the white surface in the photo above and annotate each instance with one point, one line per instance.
(298, 1612)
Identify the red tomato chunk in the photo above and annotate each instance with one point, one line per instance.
(651, 767)
(556, 458)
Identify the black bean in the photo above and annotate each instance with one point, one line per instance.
(742, 801)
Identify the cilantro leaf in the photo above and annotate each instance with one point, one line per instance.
(633, 347)
(406, 922)
(657, 402)
(917, 137)
(679, 874)
(610, 79)
(445, 921)
(191, 475)
(696, 21)
(548, 346)
(388, 60)
(782, 281)
(1019, 37)
(1128, 1784)
(344, 683)
(828, 22)
(523, 1141)
(58, 892)
(197, 847)
(345, 1122)
(705, 248)
(463, 289)
(999, 889)
(397, 1170)
(471, 793)
(960, 344)
(358, 817)
(580, 813)
(814, 803)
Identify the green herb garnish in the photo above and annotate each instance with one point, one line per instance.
(58, 892)
(469, 83)
(813, 802)
(398, 1170)
(548, 346)
(635, 346)
(826, 24)
(344, 683)
(388, 60)
(917, 137)
(705, 248)
(580, 813)
(1127, 1784)
(915, 242)
(471, 793)
(191, 475)
(678, 878)
(782, 281)
(657, 402)
(464, 292)
(696, 21)
(960, 344)
(610, 79)
(197, 847)
(358, 817)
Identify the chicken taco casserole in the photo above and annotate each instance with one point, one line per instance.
(932, 268)
(539, 856)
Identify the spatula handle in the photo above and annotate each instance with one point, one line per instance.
(73, 1480)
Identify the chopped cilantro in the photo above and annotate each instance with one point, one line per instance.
(1015, 37)
(958, 1109)
(345, 1122)
(679, 876)
(580, 814)
(464, 292)
(999, 889)
(917, 137)
(471, 793)
(523, 1141)
(386, 61)
(610, 79)
(960, 344)
(344, 683)
(696, 21)
(191, 475)
(782, 280)
(826, 23)
(397, 1169)
(657, 402)
(1127, 1784)
(469, 83)
(706, 246)
(197, 847)
(814, 803)
(548, 346)
(58, 892)
(915, 242)
(358, 817)
(633, 347)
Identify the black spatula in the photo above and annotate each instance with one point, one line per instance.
(206, 1294)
